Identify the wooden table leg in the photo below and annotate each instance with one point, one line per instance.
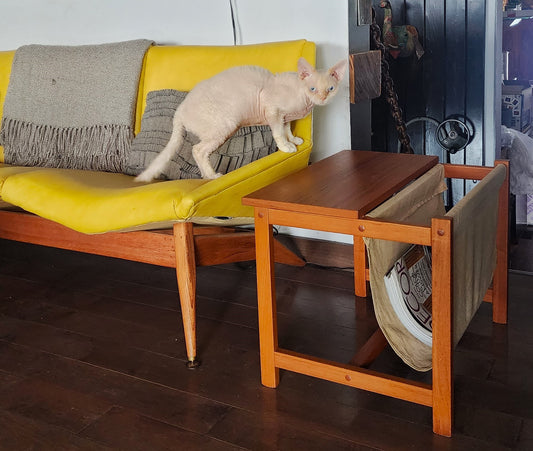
(370, 350)
(442, 306)
(266, 298)
(500, 279)
(359, 266)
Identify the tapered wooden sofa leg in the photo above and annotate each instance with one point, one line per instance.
(186, 277)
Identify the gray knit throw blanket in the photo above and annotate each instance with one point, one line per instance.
(72, 106)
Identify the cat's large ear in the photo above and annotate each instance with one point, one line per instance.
(337, 71)
(304, 68)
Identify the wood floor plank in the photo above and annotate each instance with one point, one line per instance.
(521, 253)
(213, 381)
(526, 436)
(173, 406)
(488, 425)
(7, 380)
(92, 325)
(267, 432)
(52, 404)
(101, 339)
(20, 433)
(147, 433)
(96, 313)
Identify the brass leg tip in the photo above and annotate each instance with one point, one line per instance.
(193, 364)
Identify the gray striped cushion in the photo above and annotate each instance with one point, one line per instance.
(246, 145)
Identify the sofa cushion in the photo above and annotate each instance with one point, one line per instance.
(97, 202)
(7, 171)
(94, 202)
(246, 145)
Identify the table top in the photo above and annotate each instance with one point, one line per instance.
(347, 184)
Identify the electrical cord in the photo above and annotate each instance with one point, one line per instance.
(276, 232)
(233, 22)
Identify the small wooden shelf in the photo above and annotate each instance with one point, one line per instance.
(512, 14)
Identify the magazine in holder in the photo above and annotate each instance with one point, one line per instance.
(408, 285)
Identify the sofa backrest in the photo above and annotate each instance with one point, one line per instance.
(182, 67)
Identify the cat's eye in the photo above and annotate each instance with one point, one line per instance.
(312, 89)
(331, 88)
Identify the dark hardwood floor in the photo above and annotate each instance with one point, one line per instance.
(521, 250)
(92, 357)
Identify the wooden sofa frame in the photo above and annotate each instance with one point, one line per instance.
(439, 394)
(184, 247)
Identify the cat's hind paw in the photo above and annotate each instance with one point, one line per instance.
(211, 175)
(143, 177)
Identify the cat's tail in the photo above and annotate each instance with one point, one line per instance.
(159, 163)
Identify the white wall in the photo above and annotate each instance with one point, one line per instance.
(202, 22)
(324, 22)
(493, 81)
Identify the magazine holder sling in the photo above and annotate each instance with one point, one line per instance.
(472, 234)
(469, 252)
(473, 254)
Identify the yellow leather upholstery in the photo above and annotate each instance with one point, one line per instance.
(97, 202)
(6, 60)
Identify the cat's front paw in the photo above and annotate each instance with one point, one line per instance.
(287, 147)
(297, 140)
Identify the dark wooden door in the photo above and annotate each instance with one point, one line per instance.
(447, 82)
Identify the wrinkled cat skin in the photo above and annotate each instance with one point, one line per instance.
(243, 96)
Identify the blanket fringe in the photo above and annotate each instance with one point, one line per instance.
(96, 147)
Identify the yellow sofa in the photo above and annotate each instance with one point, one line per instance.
(109, 214)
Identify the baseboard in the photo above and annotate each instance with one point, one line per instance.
(320, 252)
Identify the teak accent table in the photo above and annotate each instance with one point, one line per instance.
(330, 194)
(333, 195)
